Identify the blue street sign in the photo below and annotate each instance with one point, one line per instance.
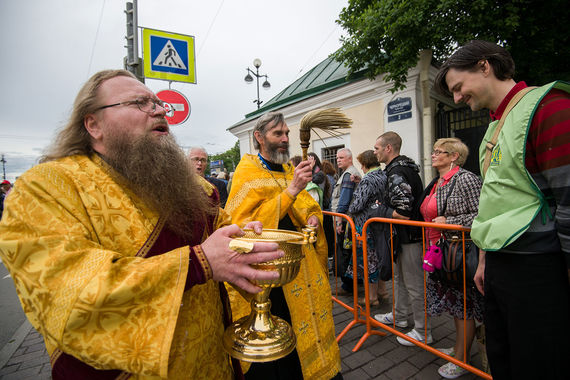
(399, 105)
(168, 56)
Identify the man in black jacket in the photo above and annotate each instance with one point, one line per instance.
(403, 202)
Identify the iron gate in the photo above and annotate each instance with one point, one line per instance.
(467, 125)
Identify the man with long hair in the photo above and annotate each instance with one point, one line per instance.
(266, 187)
(115, 249)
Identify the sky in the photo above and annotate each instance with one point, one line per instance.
(48, 49)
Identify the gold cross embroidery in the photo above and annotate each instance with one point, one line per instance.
(303, 328)
(296, 290)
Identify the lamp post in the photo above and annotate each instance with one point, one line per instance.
(248, 79)
(3, 166)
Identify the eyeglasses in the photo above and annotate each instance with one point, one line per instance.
(438, 152)
(202, 160)
(145, 104)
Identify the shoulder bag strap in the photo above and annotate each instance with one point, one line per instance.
(451, 186)
(491, 144)
(449, 191)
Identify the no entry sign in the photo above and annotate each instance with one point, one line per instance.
(179, 103)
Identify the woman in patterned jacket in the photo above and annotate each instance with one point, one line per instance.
(371, 188)
(458, 206)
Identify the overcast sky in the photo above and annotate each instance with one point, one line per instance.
(48, 49)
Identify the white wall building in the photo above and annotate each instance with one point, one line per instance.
(369, 103)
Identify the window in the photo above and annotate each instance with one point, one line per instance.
(329, 154)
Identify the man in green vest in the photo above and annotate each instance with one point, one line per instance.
(523, 225)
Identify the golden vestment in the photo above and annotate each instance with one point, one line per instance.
(74, 239)
(258, 194)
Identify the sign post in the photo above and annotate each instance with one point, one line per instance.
(180, 106)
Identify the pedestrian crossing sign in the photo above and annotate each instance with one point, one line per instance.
(168, 56)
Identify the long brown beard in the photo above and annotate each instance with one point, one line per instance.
(157, 171)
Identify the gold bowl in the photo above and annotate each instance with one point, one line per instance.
(260, 336)
(290, 242)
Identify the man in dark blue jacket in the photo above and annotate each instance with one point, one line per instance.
(341, 198)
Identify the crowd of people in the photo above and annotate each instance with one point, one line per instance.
(119, 245)
(397, 192)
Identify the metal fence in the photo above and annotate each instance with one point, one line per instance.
(362, 315)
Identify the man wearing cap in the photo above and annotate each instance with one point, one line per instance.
(115, 247)
(268, 189)
(5, 187)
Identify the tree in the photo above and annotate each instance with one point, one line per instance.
(230, 157)
(385, 36)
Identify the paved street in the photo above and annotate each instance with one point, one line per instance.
(382, 357)
(24, 356)
(12, 314)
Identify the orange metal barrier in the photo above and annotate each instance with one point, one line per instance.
(356, 309)
(364, 317)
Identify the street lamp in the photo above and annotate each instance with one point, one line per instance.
(3, 166)
(248, 79)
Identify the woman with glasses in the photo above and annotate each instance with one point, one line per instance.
(452, 198)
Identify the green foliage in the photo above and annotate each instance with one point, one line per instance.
(386, 36)
(230, 157)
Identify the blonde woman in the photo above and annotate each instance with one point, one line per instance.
(458, 206)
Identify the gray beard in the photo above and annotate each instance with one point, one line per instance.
(275, 156)
(157, 171)
(279, 158)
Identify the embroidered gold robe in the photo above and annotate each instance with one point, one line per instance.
(258, 194)
(73, 240)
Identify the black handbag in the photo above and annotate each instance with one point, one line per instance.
(451, 271)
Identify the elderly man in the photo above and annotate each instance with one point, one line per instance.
(267, 189)
(523, 223)
(341, 198)
(199, 159)
(114, 248)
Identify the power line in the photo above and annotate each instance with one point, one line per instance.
(315, 53)
(210, 27)
(95, 40)
(20, 137)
